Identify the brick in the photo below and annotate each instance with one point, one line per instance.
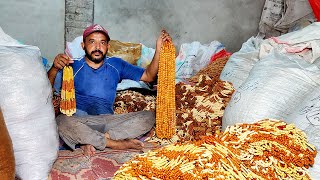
(73, 33)
(79, 3)
(78, 24)
(70, 10)
(78, 16)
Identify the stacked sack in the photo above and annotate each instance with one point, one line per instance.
(280, 73)
(280, 79)
(26, 103)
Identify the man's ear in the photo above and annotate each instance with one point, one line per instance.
(82, 45)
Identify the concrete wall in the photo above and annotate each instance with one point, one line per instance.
(48, 24)
(231, 22)
(79, 15)
(35, 22)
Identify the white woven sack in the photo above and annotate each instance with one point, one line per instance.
(26, 103)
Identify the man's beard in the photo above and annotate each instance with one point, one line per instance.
(91, 58)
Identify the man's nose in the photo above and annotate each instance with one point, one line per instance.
(97, 46)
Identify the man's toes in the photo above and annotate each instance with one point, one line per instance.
(92, 150)
(137, 142)
(141, 144)
(88, 150)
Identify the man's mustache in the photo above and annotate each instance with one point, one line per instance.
(98, 51)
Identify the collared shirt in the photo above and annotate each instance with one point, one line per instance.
(95, 89)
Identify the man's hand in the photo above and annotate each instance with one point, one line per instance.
(61, 60)
(151, 71)
(164, 36)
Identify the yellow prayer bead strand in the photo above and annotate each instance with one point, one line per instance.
(165, 102)
(68, 102)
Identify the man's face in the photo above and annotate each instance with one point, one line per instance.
(96, 47)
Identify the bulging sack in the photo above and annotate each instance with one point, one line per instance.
(26, 103)
(240, 63)
(274, 87)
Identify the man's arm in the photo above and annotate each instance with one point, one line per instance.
(52, 73)
(151, 71)
(59, 62)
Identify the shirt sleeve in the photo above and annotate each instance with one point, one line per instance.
(130, 71)
(58, 82)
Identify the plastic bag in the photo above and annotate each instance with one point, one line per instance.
(146, 56)
(193, 57)
(304, 43)
(26, 103)
(315, 5)
(279, 16)
(221, 54)
(74, 49)
(129, 52)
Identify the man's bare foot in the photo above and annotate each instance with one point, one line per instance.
(107, 136)
(125, 144)
(88, 150)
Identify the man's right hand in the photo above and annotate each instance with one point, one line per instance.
(61, 60)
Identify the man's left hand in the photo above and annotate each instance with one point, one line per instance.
(164, 36)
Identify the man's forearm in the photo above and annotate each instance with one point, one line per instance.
(52, 73)
(152, 69)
